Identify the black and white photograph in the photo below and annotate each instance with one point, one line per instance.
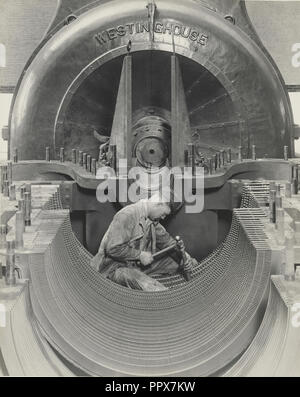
(149, 191)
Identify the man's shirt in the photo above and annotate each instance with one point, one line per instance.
(130, 232)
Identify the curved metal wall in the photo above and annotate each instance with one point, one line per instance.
(67, 58)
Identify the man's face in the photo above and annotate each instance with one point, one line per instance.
(159, 211)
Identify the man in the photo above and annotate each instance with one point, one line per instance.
(126, 252)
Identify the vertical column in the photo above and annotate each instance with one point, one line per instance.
(272, 206)
(122, 124)
(19, 229)
(10, 277)
(3, 232)
(62, 155)
(74, 156)
(286, 153)
(27, 200)
(47, 153)
(240, 154)
(180, 116)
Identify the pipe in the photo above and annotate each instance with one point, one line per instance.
(286, 153)
(94, 167)
(47, 153)
(229, 156)
(62, 155)
(84, 162)
(12, 192)
(74, 157)
(6, 188)
(19, 227)
(9, 172)
(272, 206)
(253, 152)
(89, 163)
(80, 157)
(10, 277)
(27, 199)
(240, 154)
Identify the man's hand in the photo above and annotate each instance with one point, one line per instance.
(190, 263)
(146, 258)
(180, 244)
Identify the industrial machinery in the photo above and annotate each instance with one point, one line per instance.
(160, 84)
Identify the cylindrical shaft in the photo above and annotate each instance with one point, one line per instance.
(186, 158)
(278, 189)
(3, 232)
(10, 277)
(19, 229)
(223, 155)
(47, 153)
(253, 152)
(9, 172)
(22, 191)
(216, 162)
(6, 188)
(219, 159)
(12, 192)
(295, 172)
(62, 155)
(80, 158)
(295, 186)
(27, 199)
(210, 165)
(89, 163)
(94, 166)
(278, 201)
(84, 158)
(4, 176)
(16, 156)
(74, 157)
(229, 156)
(272, 206)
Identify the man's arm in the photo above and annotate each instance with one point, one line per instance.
(164, 240)
(121, 231)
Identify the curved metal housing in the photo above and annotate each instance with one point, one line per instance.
(235, 94)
